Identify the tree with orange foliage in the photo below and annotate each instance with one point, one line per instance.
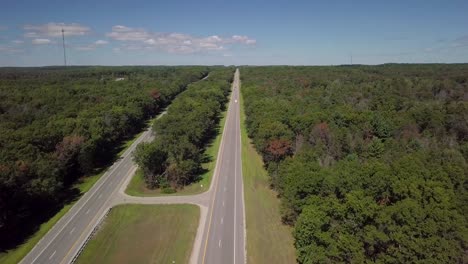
(155, 94)
(67, 153)
(278, 149)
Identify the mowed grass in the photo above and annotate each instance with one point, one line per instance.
(15, 255)
(268, 240)
(137, 186)
(144, 234)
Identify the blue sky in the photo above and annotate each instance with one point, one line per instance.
(174, 32)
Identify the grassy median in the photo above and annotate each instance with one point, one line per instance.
(137, 186)
(268, 240)
(144, 234)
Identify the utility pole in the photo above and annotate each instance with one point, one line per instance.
(351, 58)
(63, 42)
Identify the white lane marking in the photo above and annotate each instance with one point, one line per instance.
(235, 184)
(219, 243)
(51, 256)
(85, 198)
(215, 183)
(223, 203)
(221, 220)
(235, 101)
(71, 232)
(241, 186)
(87, 212)
(88, 195)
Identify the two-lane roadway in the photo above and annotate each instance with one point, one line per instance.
(65, 239)
(224, 238)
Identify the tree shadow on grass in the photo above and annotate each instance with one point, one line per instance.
(209, 141)
(25, 227)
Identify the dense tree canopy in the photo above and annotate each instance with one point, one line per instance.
(58, 124)
(174, 158)
(370, 161)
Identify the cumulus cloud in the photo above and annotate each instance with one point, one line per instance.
(55, 30)
(124, 33)
(41, 41)
(243, 40)
(92, 46)
(101, 42)
(141, 39)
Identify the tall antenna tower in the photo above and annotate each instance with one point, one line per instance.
(63, 42)
(351, 58)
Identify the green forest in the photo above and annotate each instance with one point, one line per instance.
(174, 158)
(60, 124)
(370, 162)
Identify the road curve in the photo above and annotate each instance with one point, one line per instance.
(221, 232)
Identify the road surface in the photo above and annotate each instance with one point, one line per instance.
(224, 238)
(221, 232)
(64, 240)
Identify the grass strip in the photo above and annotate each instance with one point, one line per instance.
(268, 239)
(137, 186)
(144, 234)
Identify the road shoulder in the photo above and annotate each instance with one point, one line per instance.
(268, 240)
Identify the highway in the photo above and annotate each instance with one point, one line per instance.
(221, 233)
(224, 237)
(64, 240)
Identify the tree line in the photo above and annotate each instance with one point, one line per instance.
(59, 124)
(370, 162)
(174, 158)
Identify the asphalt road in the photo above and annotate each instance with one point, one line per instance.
(64, 240)
(224, 236)
(221, 231)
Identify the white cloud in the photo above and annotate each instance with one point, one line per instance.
(239, 38)
(41, 41)
(17, 41)
(92, 46)
(121, 28)
(124, 33)
(150, 41)
(141, 39)
(243, 40)
(55, 30)
(101, 42)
